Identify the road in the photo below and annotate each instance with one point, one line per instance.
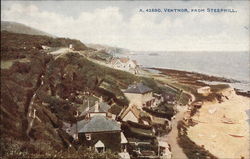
(177, 152)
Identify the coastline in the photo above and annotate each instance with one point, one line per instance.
(193, 75)
(220, 139)
(200, 79)
(222, 128)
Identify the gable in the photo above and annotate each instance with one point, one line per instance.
(130, 116)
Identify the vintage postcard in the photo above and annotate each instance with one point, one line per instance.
(125, 79)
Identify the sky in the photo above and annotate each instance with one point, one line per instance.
(121, 24)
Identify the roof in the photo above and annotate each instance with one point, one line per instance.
(133, 109)
(138, 88)
(97, 123)
(103, 108)
(122, 60)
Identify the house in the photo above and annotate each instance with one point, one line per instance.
(125, 64)
(101, 133)
(139, 95)
(131, 113)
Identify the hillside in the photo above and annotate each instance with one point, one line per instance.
(39, 92)
(21, 28)
(16, 46)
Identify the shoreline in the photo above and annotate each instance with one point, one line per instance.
(200, 79)
(194, 75)
(200, 134)
(221, 128)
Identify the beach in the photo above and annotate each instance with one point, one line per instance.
(222, 127)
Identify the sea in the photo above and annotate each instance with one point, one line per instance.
(231, 65)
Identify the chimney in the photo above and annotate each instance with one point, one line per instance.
(96, 106)
(101, 99)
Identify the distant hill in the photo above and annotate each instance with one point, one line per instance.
(108, 49)
(21, 29)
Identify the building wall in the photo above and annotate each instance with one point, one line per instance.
(130, 117)
(94, 114)
(111, 140)
(139, 99)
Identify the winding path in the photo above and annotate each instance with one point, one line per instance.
(177, 152)
(172, 137)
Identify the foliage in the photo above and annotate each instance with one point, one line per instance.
(39, 149)
(189, 147)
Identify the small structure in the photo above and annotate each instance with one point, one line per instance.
(71, 46)
(205, 91)
(125, 64)
(140, 95)
(164, 149)
(45, 47)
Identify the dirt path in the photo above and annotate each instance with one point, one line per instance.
(177, 152)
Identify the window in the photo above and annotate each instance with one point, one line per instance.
(68, 130)
(88, 136)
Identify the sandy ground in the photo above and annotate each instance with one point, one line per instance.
(216, 135)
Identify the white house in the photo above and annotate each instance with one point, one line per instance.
(125, 64)
(140, 95)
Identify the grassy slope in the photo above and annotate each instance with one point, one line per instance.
(63, 77)
(18, 84)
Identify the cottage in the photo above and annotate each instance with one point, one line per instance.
(131, 113)
(140, 95)
(125, 64)
(101, 133)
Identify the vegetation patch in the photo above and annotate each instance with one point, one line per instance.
(189, 147)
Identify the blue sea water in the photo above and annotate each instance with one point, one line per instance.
(235, 65)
